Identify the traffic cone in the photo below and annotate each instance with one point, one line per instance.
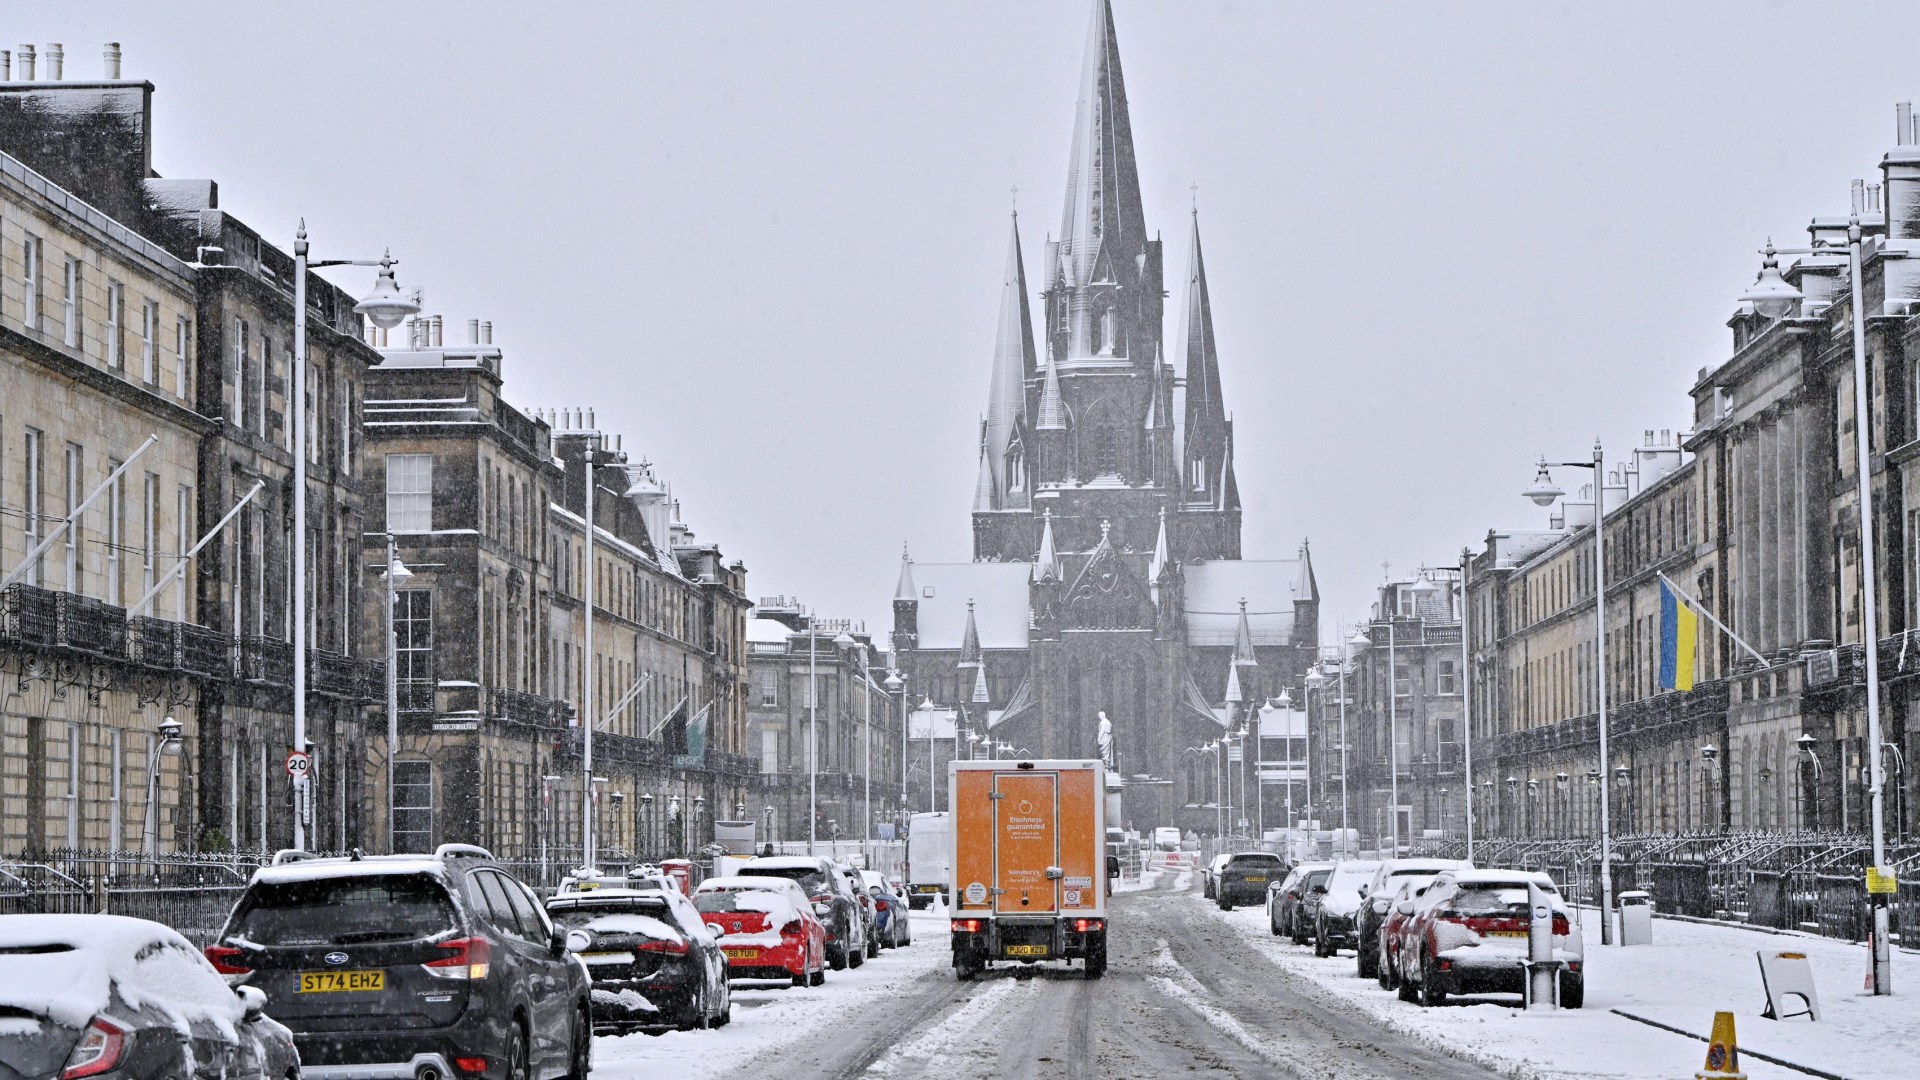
(1723, 1052)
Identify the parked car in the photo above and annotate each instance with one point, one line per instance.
(1245, 876)
(1376, 900)
(890, 910)
(1211, 871)
(770, 927)
(114, 998)
(869, 911)
(655, 964)
(385, 966)
(1335, 912)
(1400, 907)
(1467, 934)
(1285, 898)
(824, 884)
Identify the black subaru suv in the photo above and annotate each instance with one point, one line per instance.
(410, 967)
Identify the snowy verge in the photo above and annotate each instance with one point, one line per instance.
(1692, 972)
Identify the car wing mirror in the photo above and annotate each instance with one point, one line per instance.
(1404, 907)
(821, 907)
(1318, 889)
(716, 931)
(253, 999)
(575, 941)
(1113, 866)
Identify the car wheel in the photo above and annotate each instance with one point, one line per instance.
(1299, 937)
(873, 947)
(1273, 927)
(966, 965)
(519, 1065)
(580, 1062)
(1409, 992)
(1225, 904)
(726, 1005)
(1431, 992)
(1573, 990)
(1097, 962)
(856, 955)
(804, 977)
(819, 976)
(1320, 942)
(837, 957)
(1388, 976)
(1367, 960)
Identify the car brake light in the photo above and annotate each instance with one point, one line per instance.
(1446, 965)
(98, 1051)
(222, 955)
(966, 926)
(474, 1064)
(1560, 925)
(792, 929)
(469, 960)
(676, 946)
(1081, 926)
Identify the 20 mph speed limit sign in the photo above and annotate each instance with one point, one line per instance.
(298, 763)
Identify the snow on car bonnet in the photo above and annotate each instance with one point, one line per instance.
(65, 967)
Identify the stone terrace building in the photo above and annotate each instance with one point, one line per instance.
(857, 720)
(226, 360)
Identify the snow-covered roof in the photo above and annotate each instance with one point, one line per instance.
(999, 594)
(322, 869)
(767, 632)
(1269, 586)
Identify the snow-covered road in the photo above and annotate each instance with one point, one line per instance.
(1185, 994)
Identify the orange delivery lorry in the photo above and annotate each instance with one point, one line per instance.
(1030, 870)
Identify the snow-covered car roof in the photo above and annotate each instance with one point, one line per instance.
(609, 896)
(323, 869)
(789, 862)
(1504, 877)
(749, 883)
(66, 967)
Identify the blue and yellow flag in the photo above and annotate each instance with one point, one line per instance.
(1679, 635)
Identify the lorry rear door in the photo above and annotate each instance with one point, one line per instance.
(1026, 841)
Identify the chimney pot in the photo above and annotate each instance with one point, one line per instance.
(486, 332)
(56, 61)
(1873, 198)
(6, 65)
(1903, 123)
(113, 61)
(473, 331)
(590, 422)
(1859, 196)
(26, 63)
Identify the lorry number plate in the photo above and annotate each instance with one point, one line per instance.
(1026, 950)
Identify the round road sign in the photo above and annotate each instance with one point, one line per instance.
(298, 763)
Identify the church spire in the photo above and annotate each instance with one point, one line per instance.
(1103, 209)
(1053, 412)
(1013, 360)
(970, 642)
(1243, 641)
(1158, 565)
(905, 590)
(1205, 447)
(1047, 563)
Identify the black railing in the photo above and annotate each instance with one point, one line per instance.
(520, 707)
(332, 674)
(29, 615)
(205, 652)
(153, 643)
(91, 625)
(266, 660)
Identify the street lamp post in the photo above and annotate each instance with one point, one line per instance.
(150, 835)
(1466, 695)
(384, 307)
(546, 810)
(1806, 744)
(896, 684)
(1773, 297)
(866, 712)
(396, 575)
(1543, 492)
(646, 822)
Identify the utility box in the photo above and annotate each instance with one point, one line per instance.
(1636, 918)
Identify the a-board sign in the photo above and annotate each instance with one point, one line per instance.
(1788, 979)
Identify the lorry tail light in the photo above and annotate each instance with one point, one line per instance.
(469, 960)
(222, 957)
(1081, 926)
(966, 926)
(99, 1050)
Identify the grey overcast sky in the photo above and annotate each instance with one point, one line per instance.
(764, 240)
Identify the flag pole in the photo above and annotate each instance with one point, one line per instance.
(1701, 609)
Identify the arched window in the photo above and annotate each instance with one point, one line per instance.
(1098, 343)
(1016, 469)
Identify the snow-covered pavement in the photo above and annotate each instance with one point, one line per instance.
(767, 1018)
(1692, 971)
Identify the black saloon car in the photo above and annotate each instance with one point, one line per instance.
(103, 997)
(1245, 878)
(395, 967)
(653, 960)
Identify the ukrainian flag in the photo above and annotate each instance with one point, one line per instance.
(1679, 635)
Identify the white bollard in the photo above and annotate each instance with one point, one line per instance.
(1542, 974)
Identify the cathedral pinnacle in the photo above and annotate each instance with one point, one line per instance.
(905, 590)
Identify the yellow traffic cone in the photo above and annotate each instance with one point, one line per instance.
(1723, 1052)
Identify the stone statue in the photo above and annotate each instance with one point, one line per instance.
(1106, 740)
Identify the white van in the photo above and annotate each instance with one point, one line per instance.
(1166, 838)
(929, 857)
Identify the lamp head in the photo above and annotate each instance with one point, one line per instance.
(1771, 295)
(1316, 679)
(170, 729)
(844, 640)
(894, 682)
(386, 305)
(1806, 743)
(1709, 752)
(1543, 491)
(398, 573)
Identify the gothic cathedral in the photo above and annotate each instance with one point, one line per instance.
(1106, 576)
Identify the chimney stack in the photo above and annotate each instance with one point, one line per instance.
(473, 331)
(6, 65)
(56, 62)
(1903, 124)
(486, 332)
(113, 61)
(26, 63)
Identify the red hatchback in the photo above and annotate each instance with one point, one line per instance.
(768, 928)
